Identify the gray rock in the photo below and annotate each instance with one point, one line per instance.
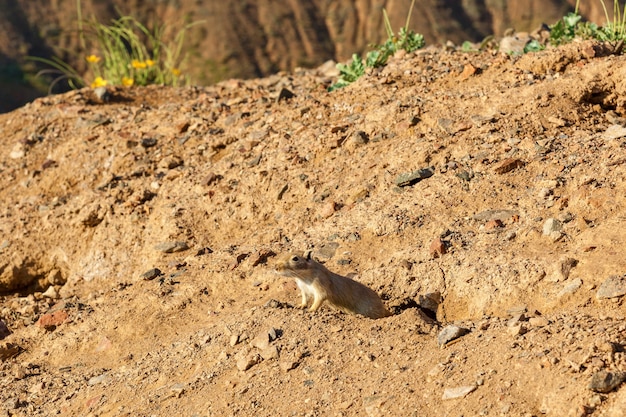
(97, 379)
(273, 333)
(449, 333)
(446, 125)
(151, 274)
(614, 286)
(359, 138)
(614, 132)
(551, 226)
(430, 301)
(479, 120)
(327, 251)
(501, 215)
(148, 142)
(171, 247)
(571, 287)
(410, 178)
(177, 389)
(605, 381)
(513, 311)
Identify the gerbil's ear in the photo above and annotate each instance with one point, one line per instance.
(307, 255)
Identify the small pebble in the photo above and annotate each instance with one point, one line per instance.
(614, 286)
(551, 226)
(411, 178)
(97, 379)
(450, 333)
(51, 292)
(171, 247)
(248, 361)
(151, 274)
(605, 381)
(458, 392)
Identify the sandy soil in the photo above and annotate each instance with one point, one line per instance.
(514, 232)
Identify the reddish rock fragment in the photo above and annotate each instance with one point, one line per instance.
(261, 256)
(468, 71)
(328, 209)
(183, 127)
(508, 165)
(494, 224)
(50, 321)
(437, 248)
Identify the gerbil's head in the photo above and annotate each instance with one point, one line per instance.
(294, 262)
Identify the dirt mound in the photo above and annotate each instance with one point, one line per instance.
(478, 190)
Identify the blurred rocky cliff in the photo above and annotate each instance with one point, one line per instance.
(253, 38)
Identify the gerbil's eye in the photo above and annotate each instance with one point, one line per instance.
(295, 259)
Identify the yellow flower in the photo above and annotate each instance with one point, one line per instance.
(138, 64)
(127, 82)
(98, 82)
(93, 59)
(149, 62)
(176, 72)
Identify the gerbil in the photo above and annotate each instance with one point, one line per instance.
(315, 281)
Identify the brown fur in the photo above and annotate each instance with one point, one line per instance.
(315, 280)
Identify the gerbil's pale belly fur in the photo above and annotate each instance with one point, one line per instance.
(305, 287)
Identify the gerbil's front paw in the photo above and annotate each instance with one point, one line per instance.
(302, 306)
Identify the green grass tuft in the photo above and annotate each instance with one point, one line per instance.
(405, 40)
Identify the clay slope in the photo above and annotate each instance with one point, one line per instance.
(478, 190)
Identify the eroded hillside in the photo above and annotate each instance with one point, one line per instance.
(496, 182)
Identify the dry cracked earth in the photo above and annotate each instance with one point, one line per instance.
(481, 195)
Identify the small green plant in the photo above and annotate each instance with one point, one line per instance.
(349, 73)
(405, 40)
(572, 26)
(533, 46)
(564, 30)
(468, 46)
(614, 30)
(125, 53)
